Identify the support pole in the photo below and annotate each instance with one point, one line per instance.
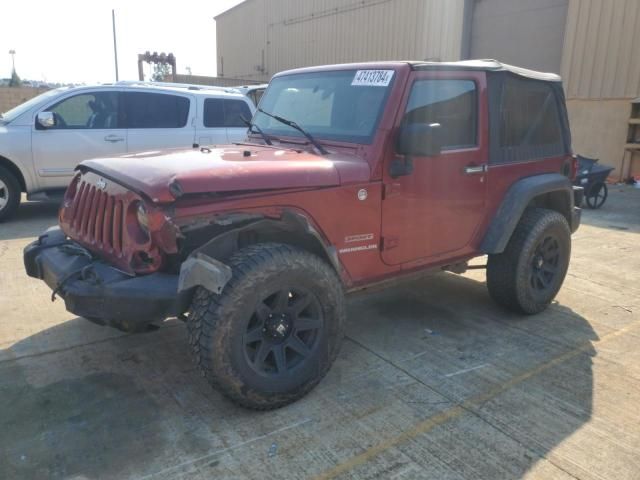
(115, 44)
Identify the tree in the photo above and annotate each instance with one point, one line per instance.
(160, 72)
(15, 79)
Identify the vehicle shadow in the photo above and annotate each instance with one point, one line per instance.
(31, 219)
(134, 405)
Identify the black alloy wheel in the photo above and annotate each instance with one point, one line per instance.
(528, 274)
(545, 263)
(274, 331)
(283, 331)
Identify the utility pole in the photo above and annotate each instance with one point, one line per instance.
(12, 52)
(115, 45)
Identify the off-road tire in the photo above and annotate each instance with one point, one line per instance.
(510, 275)
(12, 192)
(218, 324)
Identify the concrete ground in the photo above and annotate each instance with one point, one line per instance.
(433, 381)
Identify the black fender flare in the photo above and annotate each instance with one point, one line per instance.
(205, 266)
(517, 199)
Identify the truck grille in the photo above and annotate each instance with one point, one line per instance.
(101, 215)
(97, 218)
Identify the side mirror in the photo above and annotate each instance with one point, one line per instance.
(46, 119)
(419, 139)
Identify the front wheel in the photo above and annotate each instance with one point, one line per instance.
(529, 273)
(275, 330)
(9, 194)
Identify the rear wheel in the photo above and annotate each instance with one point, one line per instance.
(529, 273)
(273, 333)
(9, 194)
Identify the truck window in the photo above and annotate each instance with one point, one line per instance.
(452, 104)
(219, 112)
(155, 110)
(234, 110)
(213, 113)
(527, 119)
(87, 111)
(529, 114)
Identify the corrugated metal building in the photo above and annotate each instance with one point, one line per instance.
(592, 43)
(601, 71)
(258, 38)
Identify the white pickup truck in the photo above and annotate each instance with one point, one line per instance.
(43, 139)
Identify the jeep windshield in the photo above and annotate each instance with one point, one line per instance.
(344, 105)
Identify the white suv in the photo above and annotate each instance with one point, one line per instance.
(42, 140)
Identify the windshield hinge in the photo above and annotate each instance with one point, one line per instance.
(387, 243)
(391, 190)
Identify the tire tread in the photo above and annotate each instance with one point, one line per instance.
(503, 268)
(205, 316)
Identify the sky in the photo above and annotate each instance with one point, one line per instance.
(70, 41)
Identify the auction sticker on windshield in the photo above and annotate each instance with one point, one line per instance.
(372, 78)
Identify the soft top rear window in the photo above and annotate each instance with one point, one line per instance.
(528, 119)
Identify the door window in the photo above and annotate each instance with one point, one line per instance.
(452, 104)
(97, 110)
(222, 113)
(155, 110)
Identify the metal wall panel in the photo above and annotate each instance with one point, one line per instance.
(259, 38)
(525, 33)
(601, 56)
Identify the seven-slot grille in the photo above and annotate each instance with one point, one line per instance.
(97, 218)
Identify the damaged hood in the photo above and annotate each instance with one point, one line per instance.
(164, 176)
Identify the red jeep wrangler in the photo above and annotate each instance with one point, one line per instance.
(350, 175)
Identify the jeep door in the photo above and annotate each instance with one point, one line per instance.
(87, 125)
(158, 120)
(222, 121)
(432, 213)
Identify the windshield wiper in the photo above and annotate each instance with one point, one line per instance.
(294, 125)
(252, 125)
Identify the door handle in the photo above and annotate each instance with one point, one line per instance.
(474, 169)
(113, 138)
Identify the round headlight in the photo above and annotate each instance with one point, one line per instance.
(143, 219)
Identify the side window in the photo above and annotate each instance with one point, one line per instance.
(529, 115)
(451, 103)
(96, 110)
(234, 110)
(155, 110)
(219, 112)
(527, 119)
(213, 113)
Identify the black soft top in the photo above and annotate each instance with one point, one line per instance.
(486, 65)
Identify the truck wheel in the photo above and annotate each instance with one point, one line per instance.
(275, 330)
(527, 276)
(9, 194)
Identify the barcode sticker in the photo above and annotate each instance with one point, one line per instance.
(372, 78)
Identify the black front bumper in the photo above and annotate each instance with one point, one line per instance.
(97, 291)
